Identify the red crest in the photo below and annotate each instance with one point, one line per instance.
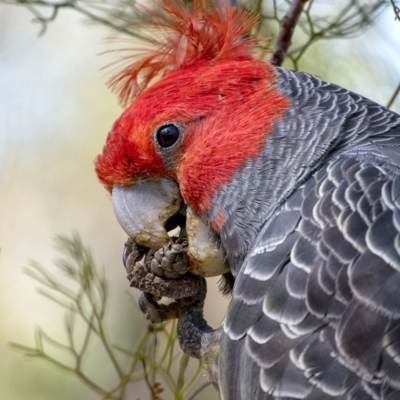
(182, 37)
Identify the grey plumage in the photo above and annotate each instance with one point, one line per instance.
(315, 310)
(303, 219)
(311, 232)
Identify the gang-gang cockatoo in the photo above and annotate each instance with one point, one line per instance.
(286, 185)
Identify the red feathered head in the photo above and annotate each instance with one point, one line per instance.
(200, 103)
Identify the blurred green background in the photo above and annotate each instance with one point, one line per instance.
(55, 111)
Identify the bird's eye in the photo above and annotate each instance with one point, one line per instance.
(167, 135)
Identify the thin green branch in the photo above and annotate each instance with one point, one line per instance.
(84, 347)
(198, 391)
(180, 383)
(394, 96)
(194, 379)
(170, 342)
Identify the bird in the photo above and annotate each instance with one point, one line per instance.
(286, 185)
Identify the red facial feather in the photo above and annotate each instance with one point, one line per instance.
(247, 102)
(226, 99)
(218, 222)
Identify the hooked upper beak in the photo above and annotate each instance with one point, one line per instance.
(143, 209)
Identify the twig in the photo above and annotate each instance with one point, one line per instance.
(285, 35)
(150, 384)
(393, 98)
(200, 389)
(396, 10)
(118, 15)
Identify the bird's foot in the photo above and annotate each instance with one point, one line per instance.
(188, 291)
(170, 261)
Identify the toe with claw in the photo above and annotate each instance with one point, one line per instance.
(170, 261)
(163, 273)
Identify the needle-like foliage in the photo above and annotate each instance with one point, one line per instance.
(81, 289)
(125, 18)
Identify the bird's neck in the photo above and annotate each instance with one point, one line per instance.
(320, 123)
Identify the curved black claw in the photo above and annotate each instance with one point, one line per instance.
(132, 253)
(156, 312)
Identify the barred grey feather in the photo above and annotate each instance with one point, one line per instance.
(315, 310)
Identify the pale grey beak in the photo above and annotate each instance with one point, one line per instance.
(143, 208)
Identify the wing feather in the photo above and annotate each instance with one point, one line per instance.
(315, 311)
(316, 306)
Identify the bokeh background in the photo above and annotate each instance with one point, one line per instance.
(55, 111)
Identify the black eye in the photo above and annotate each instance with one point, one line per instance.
(167, 135)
